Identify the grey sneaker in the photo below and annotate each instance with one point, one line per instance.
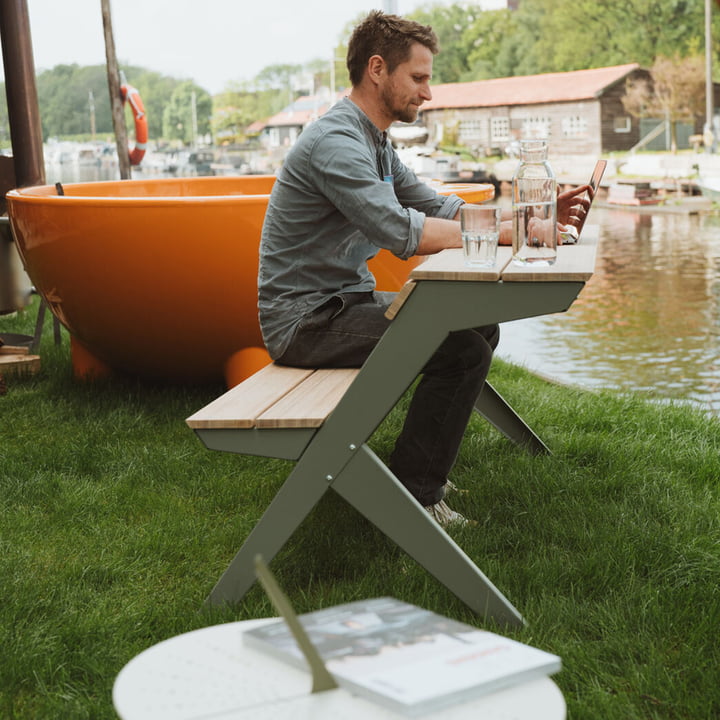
(445, 516)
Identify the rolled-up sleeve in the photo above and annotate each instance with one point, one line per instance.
(413, 192)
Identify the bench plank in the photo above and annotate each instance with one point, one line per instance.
(240, 406)
(308, 404)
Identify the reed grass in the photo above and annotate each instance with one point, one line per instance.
(115, 523)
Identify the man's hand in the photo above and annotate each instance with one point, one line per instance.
(573, 205)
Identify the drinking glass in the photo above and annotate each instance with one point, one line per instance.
(480, 225)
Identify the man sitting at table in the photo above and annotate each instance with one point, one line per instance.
(341, 195)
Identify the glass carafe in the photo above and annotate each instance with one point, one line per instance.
(534, 206)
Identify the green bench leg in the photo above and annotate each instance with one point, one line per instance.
(369, 486)
(293, 502)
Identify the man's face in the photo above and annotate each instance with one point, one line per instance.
(408, 86)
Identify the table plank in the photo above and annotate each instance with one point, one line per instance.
(575, 263)
(450, 265)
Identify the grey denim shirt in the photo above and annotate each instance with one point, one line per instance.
(341, 195)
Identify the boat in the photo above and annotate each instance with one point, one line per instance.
(435, 166)
(709, 187)
(633, 194)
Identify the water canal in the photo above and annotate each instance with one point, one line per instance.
(648, 320)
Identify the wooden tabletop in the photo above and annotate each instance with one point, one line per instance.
(575, 263)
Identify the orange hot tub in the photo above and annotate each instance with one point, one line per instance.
(158, 278)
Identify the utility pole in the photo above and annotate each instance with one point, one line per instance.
(709, 88)
(91, 103)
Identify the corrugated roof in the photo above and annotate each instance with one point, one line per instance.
(528, 89)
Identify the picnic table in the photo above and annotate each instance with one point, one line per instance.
(325, 418)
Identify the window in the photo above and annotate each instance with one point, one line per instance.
(622, 124)
(499, 130)
(574, 126)
(471, 132)
(536, 127)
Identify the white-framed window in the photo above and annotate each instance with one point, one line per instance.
(472, 131)
(622, 124)
(274, 136)
(574, 126)
(536, 127)
(499, 130)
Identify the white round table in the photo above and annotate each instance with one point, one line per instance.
(210, 673)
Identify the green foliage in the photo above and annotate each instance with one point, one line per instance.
(155, 90)
(582, 34)
(64, 97)
(277, 76)
(561, 35)
(239, 106)
(675, 90)
(187, 113)
(449, 23)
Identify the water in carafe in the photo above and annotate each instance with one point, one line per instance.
(534, 206)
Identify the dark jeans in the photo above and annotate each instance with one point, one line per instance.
(344, 331)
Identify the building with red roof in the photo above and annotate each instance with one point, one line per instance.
(580, 112)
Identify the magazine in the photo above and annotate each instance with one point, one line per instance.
(406, 658)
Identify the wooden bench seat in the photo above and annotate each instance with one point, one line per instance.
(277, 397)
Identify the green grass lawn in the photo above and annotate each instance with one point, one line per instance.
(115, 523)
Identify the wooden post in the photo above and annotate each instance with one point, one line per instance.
(116, 103)
(21, 92)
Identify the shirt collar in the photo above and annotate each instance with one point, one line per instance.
(379, 136)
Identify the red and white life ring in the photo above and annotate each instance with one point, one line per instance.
(131, 95)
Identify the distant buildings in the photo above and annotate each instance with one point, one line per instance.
(581, 112)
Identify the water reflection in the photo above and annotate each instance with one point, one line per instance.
(648, 319)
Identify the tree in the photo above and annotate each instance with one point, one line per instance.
(560, 35)
(491, 54)
(155, 90)
(242, 104)
(64, 100)
(449, 23)
(187, 114)
(675, 92)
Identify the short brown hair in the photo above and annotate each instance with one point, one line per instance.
(389, 36)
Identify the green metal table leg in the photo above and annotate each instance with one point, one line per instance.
(369, 486)
(491, 405)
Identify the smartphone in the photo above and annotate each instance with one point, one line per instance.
(594, 184)
(573, 231)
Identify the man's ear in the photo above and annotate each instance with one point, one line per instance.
(376, 68)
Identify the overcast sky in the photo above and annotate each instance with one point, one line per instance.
(213, 42)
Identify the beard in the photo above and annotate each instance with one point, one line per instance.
(403, 113)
